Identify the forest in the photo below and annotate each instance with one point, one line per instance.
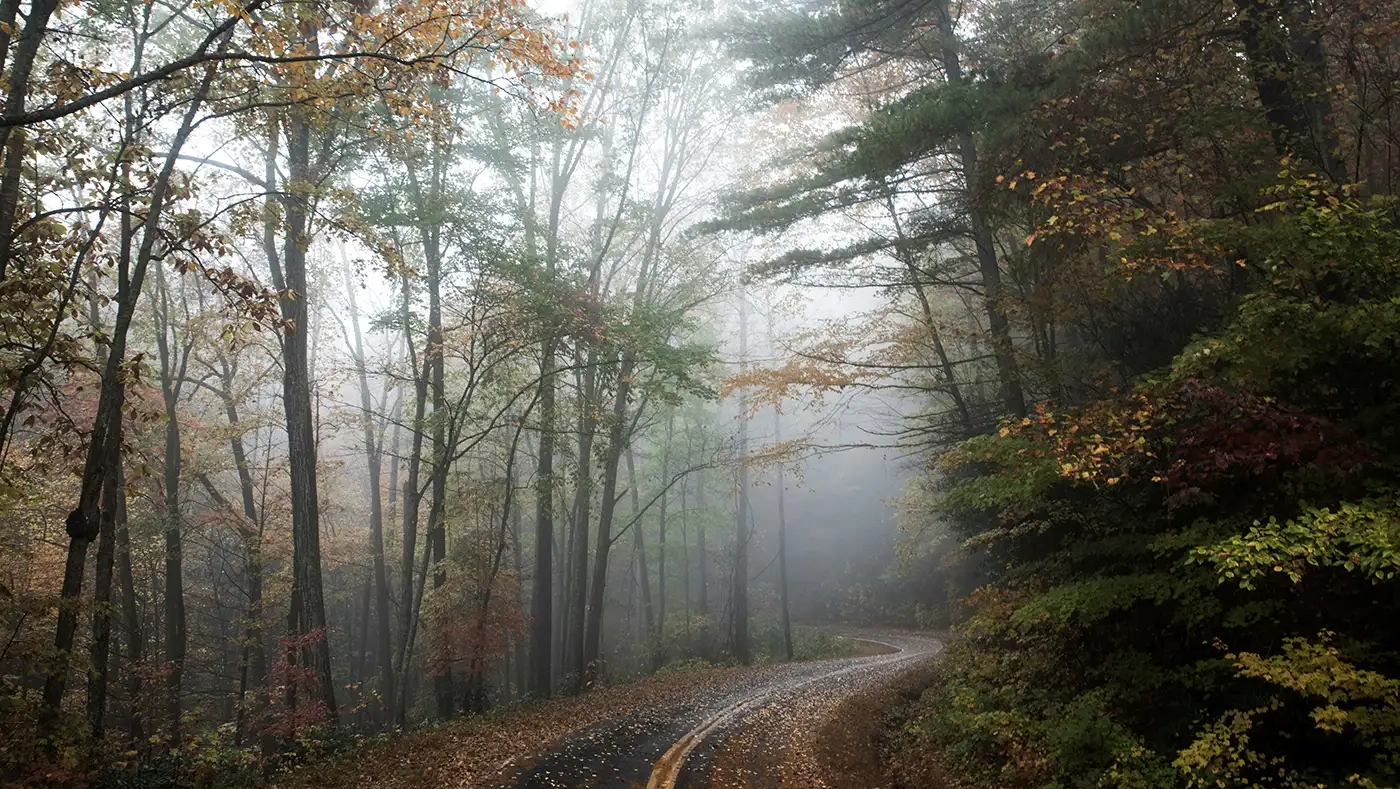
(371, 365)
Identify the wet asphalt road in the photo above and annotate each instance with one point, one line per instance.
(746, 727)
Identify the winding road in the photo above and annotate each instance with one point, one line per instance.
(750, 735)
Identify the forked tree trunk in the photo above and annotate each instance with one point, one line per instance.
(252, 670)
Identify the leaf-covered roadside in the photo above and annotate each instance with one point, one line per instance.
(483, 750)
(476, 751)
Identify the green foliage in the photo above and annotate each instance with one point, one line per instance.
(1089, 602)
(688, 664)
(1328, 301)
(1359, 536)
(1148, 560)
(1164, 559)
(1019, 483)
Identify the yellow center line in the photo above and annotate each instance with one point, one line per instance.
(667, 770)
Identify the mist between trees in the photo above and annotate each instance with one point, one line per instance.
(363, 367)
(367, 364)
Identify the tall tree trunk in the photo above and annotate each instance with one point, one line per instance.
(619, 436)
(376, 514)
(437, 531)
(542, 587)
(252, 671)
(685, 554)
(131, 618)
(175, 629)
(429, 206)
(739, 597)
(301, 426)
(542, 592)
(786, 614)
(648, 629)
(703, 604)
(593, 629)
(100, 649)
(564, 583)
(392, 507)
(659, 637)
(412, 500)
(517, 676)
(1013, 398)
(583, 503)
(172, 364)
(413, 607)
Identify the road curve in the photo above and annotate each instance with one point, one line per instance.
(739, 736)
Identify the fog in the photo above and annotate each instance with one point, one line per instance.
(428, 385)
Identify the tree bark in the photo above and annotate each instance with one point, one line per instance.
(703, 604)
(172, 375)
(301, 427)
(593, 626)
(542, 587)
(685, 555)
(100, 649)
(517, 675)
(785, 615)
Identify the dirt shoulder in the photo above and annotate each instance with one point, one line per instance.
(853, 745)
(824, 736)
